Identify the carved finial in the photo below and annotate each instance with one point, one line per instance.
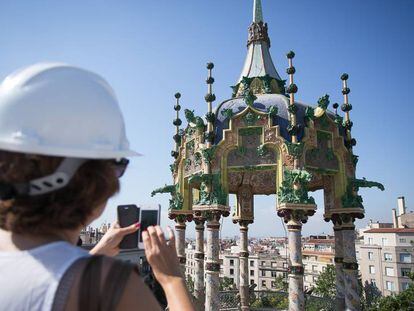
(177, 122)
(291, 90)
(210, 98)
(257, 11)
(347, 107)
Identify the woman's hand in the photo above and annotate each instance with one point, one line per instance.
(162, 255)
(109, 244)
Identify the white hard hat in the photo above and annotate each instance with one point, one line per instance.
(60, 110)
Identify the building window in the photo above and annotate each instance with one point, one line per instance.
(390, 286)
(251, 282)
(263, 283)
(372, 269)
(314, 279)
(323, 269)
(402, 240)
(404, 285)
(251, 263)
(263, 263)
(273, 284)
(314, 268)
(370, 255)
(231, 262)
(370, 241)
(405, 257)
(251, 272)
(263, 272)
(231, 271)
(389, 271)
(405, 272)
(273, 264)
(273, 274)
(285, 265)
(387, 257)
(373, 282)
(384, 241)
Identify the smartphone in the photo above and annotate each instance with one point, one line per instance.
(150, 216)
(128, 215)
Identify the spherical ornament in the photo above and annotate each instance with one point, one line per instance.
(291, 70)
(177, 122)
(177, 138)
(346, 90)
(210, 80)
(177, 107)
(344, 77)
(335, 106)
(177, 95)
(174, 154)
(210, 66)
(290, 54)
(210, 116)
(210, 98)
(292, 89)
(353, 142)
(346, 107)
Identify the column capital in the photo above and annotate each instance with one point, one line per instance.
(244, 224)
(199, 223)
(181, 218)
(296, 212)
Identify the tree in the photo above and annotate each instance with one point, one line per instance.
(401, 301)
(372, 295)
(226, 284)
(190, 284)
(325, 284)
(281, 283)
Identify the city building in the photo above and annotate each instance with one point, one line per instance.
(386, 254)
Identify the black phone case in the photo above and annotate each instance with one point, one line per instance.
(128, 215)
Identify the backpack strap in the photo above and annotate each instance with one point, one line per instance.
(115, 283)
(89, 289)
(65, 285)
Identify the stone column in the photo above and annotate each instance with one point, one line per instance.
(244, 266)
(350, 264)
(180, 241)
(199, 260)
(296, 294)
(213, 262)
(339, 272)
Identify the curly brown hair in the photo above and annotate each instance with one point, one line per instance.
(68, 208)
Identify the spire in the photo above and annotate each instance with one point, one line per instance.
(259, 63)
(257, 11)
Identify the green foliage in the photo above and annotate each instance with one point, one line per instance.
(271, 300)
(190, 284)
(226, 284)
(281, 283)
(402, 301)
(325, 284)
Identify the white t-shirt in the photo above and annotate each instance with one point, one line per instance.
(29, 279)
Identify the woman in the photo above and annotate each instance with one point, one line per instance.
(62, 149)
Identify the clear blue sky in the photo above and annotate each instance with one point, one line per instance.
(148, 50)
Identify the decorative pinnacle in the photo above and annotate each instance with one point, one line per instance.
(177, 95)
(344, 77)
(290, 55)
(335, 106)
(210, 66)
(257, 11)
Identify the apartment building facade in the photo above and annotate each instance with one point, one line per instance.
(386, 258)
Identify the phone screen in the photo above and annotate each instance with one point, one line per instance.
(128, 215)
(148, 218)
